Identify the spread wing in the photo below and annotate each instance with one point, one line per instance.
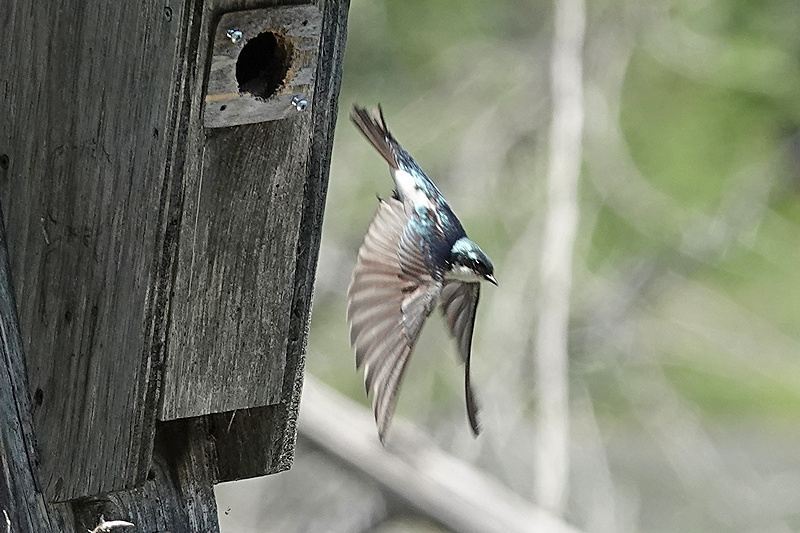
(390, 296)
(459, 304)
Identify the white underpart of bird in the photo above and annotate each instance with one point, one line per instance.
(408, 191)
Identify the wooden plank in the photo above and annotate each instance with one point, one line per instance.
(411, 468)
(85, 90)
(178, 495)
(252, 216)
(252, 442)
(261, 441)
(21, 504)
(235, 273)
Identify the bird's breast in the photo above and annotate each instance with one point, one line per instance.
(462, 273)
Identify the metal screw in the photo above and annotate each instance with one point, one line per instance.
(300, 103)
(235, 36)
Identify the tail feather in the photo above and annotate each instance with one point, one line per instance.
(375, 130)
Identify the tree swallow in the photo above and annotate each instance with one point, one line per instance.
(415, 255)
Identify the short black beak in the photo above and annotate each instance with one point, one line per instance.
(490, 279)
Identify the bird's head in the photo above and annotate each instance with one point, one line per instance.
(469, 263)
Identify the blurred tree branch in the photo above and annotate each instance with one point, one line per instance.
(412, 468)
(566, 132)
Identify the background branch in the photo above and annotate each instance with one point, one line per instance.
(551, 351)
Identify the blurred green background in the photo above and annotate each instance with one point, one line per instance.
(684, 372)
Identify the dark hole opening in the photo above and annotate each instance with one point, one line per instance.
(263, 64)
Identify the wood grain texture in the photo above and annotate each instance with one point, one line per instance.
(245, 201)
(178, 495)
(326, 106)
(22, 503)
(86, 89)
(235, 273)
(261, 440)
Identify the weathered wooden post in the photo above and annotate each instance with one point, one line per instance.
(163, 168)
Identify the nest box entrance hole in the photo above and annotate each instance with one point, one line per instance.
(263, 64)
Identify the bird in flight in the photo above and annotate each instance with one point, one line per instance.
(415, 255)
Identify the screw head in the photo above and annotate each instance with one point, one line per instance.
(299, 103)
(235, 35)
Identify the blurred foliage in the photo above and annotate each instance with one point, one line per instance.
(688, 137)
(687, 277)
(691, 135)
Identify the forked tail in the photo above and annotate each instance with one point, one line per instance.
(375, 130)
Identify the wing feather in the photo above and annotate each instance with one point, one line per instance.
(390, 296)
(459, 305)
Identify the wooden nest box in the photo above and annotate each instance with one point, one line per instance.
(163, 169)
